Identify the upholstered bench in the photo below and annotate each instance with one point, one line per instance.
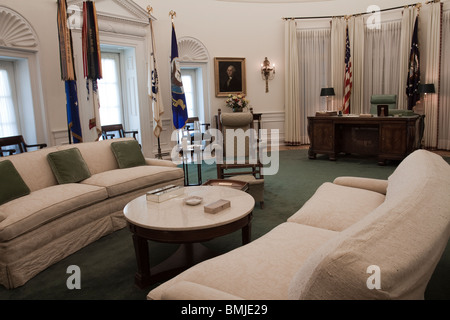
(255, 187)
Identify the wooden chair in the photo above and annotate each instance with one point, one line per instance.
(110, 131)
(17, 144)
(190, 126)
(233, 163)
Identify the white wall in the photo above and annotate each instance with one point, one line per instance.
(227, 29)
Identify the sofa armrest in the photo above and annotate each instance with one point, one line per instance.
(186, 290)
(159, 162)
(377, 185)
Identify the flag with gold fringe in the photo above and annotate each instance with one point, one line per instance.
(154, 92)
(413, 79)
(92, 64)
(68, 73)
(179, 109)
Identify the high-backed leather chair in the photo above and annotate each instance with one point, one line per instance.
(383, 99)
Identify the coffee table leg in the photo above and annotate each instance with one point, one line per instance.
(142, 277)
(247, 231)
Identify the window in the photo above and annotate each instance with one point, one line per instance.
(118, 88)
(188, 78)
(109, 90)
(8, 114)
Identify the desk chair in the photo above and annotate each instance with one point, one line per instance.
(110, 131)
(383, 99)
(17, 144)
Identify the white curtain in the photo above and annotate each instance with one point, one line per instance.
(292, 94)
(408, 18)
(356, 35)
(8, 121)
(382, 58)
(444, 94)
(338, 25)
(314, 65)
(432, 74)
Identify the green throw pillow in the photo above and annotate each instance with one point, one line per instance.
(128, 154)
(12, 185)
(68, 166)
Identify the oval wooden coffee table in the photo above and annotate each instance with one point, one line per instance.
(173, 221)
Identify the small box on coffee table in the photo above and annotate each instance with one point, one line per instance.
(217, 206)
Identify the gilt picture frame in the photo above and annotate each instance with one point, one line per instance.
(229, 76)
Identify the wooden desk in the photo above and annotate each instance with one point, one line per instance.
(389, 138)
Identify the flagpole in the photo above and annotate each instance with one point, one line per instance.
(172, 14)
(155, 87)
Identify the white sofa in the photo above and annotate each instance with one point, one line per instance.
(350, 237)
(54, 220)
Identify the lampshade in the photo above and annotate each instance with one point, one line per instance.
(327, 92)
(426, 88)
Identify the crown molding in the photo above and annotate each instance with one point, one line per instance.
(192, 50)
(15, 31)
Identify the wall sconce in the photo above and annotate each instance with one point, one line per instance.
(426, 88)
(267, 72)
(327, 92)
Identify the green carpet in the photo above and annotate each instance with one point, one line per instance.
(108, 265)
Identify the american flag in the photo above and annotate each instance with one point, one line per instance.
(348, 77)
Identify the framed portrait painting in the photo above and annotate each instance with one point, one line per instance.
(229, 75)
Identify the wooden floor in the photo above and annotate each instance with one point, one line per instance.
(444, 153)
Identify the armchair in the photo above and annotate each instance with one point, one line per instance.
(17, 144)
(110, 131)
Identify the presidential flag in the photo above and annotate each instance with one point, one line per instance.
(92, 63)
(413, 79)
(154, 92)
(73, 116)
(348, 77)
(179, 109)
(68, 74)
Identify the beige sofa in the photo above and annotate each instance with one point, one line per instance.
(54, 220)
(355, 238)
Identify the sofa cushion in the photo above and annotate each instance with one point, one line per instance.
(336, 207)
(121, 181)
(261, 269)
(42, 206)
(68, 166)
(12, 185)
(405, 239)
(128, 154)
(35, 179)
(97, 154)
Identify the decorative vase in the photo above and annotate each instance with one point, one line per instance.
(237, 109)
